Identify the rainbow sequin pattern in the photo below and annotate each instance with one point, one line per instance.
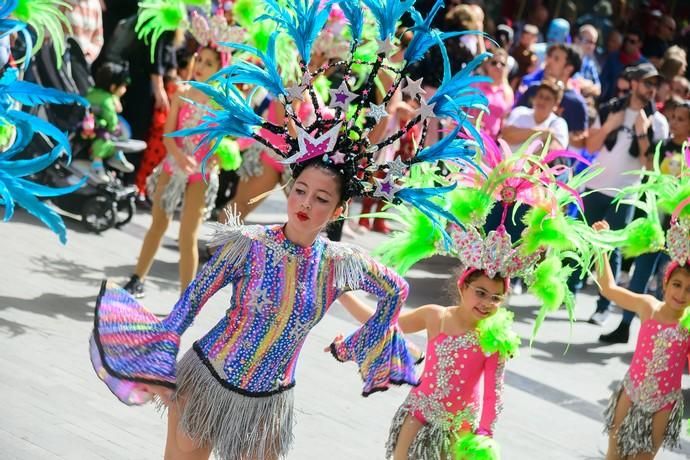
(280, 292)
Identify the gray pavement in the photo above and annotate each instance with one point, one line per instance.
(52, 405)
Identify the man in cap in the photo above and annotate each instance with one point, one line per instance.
(622, 134)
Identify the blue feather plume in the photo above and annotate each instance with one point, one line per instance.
(17, 191)
(354, 13)
(424, 36)
(42, 126)
(387, 13)
(246, 72)
(234, 118)
(421, 198)
(7, 7)
(451, 148)
(303, 21)
(24, 133)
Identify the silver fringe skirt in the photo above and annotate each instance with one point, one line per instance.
(634, 436)
(432, 442)
(174, 191)
(238, 427)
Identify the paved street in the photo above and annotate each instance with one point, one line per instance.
(52, 405)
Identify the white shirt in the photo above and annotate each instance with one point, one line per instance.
(523, 117)
(618, 161)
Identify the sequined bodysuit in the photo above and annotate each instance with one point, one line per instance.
(448, 394)
(188, 116)
(280, 291)
(654, 378)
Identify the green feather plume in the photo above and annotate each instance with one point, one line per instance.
(418, 241)
(685, 319)
(542, 229)
(470, 446)
(471, 206)
(6, 134)
(46, 16)
(497, 336)
(228, 153)
(549, 283)
(641, 236)
(157, 17)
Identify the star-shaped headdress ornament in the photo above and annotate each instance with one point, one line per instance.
(345, 132)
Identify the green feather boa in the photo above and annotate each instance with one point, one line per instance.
(549, 283)
(470, 446)
(497, 336)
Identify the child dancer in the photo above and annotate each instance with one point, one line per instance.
(467, 342)
(646, 410)
(233, 390)
(180, 179)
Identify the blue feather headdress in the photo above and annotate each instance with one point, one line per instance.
(15, 189)
(345, 140)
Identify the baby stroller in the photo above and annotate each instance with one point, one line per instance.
(100, 204)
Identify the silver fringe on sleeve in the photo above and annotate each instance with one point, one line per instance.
(634, 435)
(238, 427)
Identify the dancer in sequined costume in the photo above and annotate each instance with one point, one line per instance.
(234, 387)
(461, 351)
(646, 409)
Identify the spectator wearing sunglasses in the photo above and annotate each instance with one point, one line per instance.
(498, 92)
(628, 55)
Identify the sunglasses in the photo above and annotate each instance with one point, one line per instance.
(650, 83)
(588, 42)
(497, 63)
(485, 297)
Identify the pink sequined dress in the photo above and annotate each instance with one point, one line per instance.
(653, 384)
(448, 399)
(188, 116)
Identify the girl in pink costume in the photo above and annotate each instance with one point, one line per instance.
(646, 409)
(467, 343)
(180, 179)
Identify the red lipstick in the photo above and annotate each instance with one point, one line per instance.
(302, 216)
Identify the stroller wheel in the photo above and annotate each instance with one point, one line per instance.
(99, 213)
(125, 211)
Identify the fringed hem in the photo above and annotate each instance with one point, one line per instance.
(174, 191)
(634, 436)
(237, 427)
(431, 442)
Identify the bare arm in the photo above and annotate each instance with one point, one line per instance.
(641, 304)
(597, 136)
(515, 135)
(413, 320)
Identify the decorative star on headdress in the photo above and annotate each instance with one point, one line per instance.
(426, 110)
(384, 46)
(413, 87)
(386, 188)
(338, 158)
(295, 92)
(377, 111)
(396, 167)
(311, 147)
(341, 96)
